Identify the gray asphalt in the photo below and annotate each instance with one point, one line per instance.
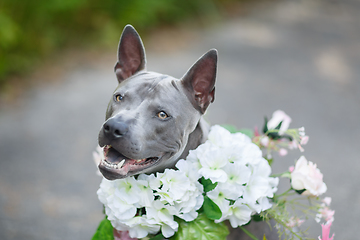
(299, 56)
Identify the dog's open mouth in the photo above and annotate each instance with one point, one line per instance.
(115, 165)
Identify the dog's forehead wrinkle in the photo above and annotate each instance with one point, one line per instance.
(161, 82)
(145, 83)
(168, 89)
(173, 83)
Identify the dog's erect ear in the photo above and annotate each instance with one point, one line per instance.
(199, 81)
(131, 54)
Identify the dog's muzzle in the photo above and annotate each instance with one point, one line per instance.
(112, 129)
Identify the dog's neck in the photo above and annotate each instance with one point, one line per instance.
(197, 137)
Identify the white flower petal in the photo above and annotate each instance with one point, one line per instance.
(168, 231)
(241, 214)
(217, 175)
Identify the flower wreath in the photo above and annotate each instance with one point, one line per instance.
(225, 178)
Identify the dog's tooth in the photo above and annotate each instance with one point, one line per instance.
(107, 164)
(120, 164)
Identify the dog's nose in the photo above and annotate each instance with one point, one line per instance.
(115, 129)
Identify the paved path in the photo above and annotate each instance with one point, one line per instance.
(299, 56)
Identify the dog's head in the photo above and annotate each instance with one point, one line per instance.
(150, 115)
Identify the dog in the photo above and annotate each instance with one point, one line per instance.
(152, 119)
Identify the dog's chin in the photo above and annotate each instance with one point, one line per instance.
(116, 166)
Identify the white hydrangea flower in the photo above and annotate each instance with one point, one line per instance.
(212, 162)
(163, 215)
(173, 185)
(182, 190)
(219, 196)
(264, 204)
(248, 185)
(115, 208)
(180, 195)
(251, 154)
(128, 190)
(238, 176)
(149, 203)
(146, 196)
(240, 214)
(140, 227)
(256, 188)
(219, 136)
(189, 168)
(190, 203)
(241, 138)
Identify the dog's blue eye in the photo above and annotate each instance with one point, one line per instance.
(118, 97)
(162, 115)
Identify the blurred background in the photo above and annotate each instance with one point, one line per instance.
(56, 77)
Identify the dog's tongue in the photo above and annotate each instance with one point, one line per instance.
(113, 156)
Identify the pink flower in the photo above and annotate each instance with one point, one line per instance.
(326, 232)
(283, 152)
(265, 141)
(294, 222)
(325, 213)
(304, 140)
(327, 201)
(256, 132)
(307, 176)
(277, 117)
(301, 131)
(122, 235)
(293, 144)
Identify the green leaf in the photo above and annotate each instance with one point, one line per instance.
(248, 132)
(274, 135)
(300, 191)
(157, 237)
(230, 128)
(211, 210)
(265, 128)
(252, 236)
(286, 175)
(279, 126)
(202, 228)
(208, 184)
(270, 161)
(257, 218)
(104, 231)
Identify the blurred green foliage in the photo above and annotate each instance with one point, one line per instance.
(33, 29)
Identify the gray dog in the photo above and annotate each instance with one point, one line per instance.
(153, 120)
